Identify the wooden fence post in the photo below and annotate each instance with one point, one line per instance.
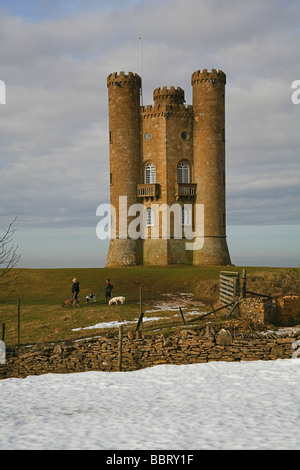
(19, 321)
(120, 348)
(141, 300)
(183, 319)
(244, 287)
(140, 321)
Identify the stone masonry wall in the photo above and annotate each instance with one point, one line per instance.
(262, 310)
(288, 310)
(282, 311)
(185, 347)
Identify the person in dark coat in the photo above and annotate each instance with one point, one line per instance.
(108, 289)
(75, 289)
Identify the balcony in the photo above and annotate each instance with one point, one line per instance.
(185, 190)
(148, 191)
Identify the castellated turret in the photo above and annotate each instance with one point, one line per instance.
(168, 157)
(209, 163)
(125, 162)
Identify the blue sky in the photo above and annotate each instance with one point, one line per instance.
(43, 10)
(54, 165)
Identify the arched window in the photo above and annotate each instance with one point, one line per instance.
(150, 173)
(183, 173)
(149, 217)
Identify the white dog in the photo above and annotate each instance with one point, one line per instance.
(90, 298)
(115, 300)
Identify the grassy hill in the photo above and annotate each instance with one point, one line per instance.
(42, 292)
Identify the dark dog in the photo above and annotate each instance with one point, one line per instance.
(70, 303)
(90, 298)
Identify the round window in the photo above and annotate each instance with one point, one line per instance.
(147, 136)
(184, 135)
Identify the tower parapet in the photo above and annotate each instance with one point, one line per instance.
(115, 79)
(166, 109)
(167, 95)
(206, 76)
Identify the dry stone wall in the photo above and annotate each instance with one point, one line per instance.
(184, 347)
(281, 311)
(288, 310)
(262, 310)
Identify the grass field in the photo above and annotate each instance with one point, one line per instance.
(195, 289)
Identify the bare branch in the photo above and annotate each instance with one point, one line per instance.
(9, 258)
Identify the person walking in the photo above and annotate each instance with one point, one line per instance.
(108, 289)
(75, 291)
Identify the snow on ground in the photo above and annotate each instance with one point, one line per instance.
(216, 405)
(172, 304)
(115, 324)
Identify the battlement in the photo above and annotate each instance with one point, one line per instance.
(115, 79)
(170, 95)
(205, 76)
(166, 109)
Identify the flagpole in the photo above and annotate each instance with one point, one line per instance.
(141, 71)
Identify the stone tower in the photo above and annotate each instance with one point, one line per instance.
(124, 141)
(170, 159)
(209, 163)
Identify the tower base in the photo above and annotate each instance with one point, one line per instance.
(214, 252)
(123, 253)
(163, 252)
